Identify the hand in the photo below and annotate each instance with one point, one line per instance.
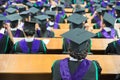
(7, 26)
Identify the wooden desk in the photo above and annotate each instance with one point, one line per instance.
(64, 25)
(100, 44)
(53, 43)
(68, 10)
(33, 64)
(56, 43)
(58, 32)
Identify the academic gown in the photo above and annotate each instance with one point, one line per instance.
(5, 44)
(106, 34)
(113, 47)
(36, 46)
(73, 66)
(16, 33)
(46, 34)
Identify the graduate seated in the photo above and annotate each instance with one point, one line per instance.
(97, 16)
(107, 27)
(6, 42)
(77, 67)
(51, 24)
(42, 29)
(61, 15)
(14, 25)
(29, 44)
(77, 21)
(113, 48)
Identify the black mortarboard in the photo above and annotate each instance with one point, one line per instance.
(29, 4)
(110, 4)
(62, 1)
(47, 6)
(2, 17)
(100, 10)
(11, 10)
(60, 7)
(80, 11)
(117, 8)
(109, 18)
(76, 19)
(33, 10)
(77, 37)
(24, 14)
(42, 17)
(14, 17)
(52, 14)
(21, 8)
(29, 26)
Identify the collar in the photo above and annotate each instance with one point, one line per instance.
(29, 39)
(107, 29)
(73, 59)
(2, 30)
(13, 29)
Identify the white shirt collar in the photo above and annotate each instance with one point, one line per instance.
(107, 29)
(2, 30)
(29, 39)
(73, 59)
(13, 29)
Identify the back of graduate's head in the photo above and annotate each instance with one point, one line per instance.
(14, 24)
(108, 20)
(29, 29)
(43, 26)
(79, 42)
(14, 18)
(77, 20)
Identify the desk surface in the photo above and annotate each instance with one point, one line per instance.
(21, 63)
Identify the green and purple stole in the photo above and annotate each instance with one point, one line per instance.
(78, 74)
(26, 49)
(107, 35)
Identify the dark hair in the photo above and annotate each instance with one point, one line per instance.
(78, 53)
(13, 24)
(29, 33)
(107, 24)
(43, 26)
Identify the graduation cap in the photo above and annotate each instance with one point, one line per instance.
(100, 10)
(11, 10)
(21, 8)
(2, 17)
(62, 1)
(76, 19)
(29, 26)
(24, 14)
(52, 14)
(109, 18)
(14, 17)
(78, 38)
(33, 10)
(110, 4)
(29, 4)
(47, 6)
(41, 18)
(117, 8)
(80, 11)
(60, 7)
